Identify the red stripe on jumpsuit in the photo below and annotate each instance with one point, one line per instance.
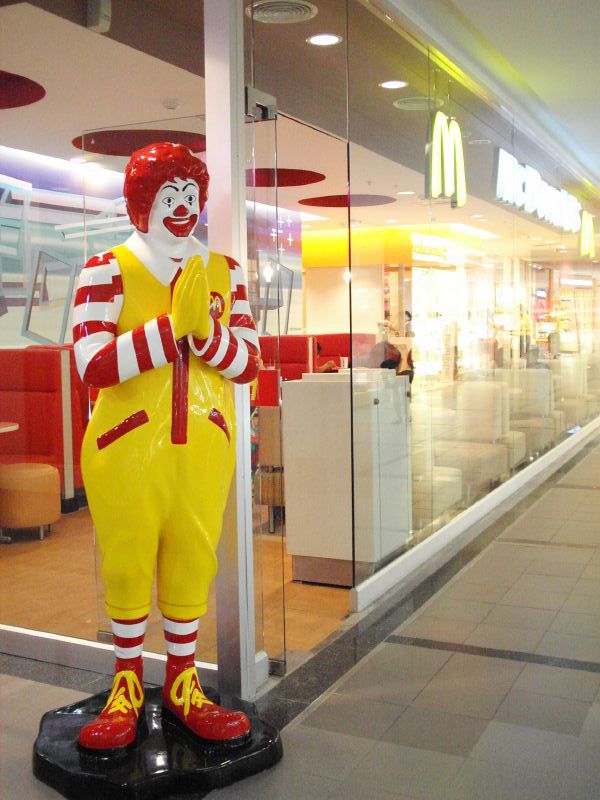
(179, 398)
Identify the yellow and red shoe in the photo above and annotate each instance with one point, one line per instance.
(116, 725)
(185, 703)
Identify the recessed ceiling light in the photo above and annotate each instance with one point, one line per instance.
(391, 220)
(477, 216)
(404, 194)
(480, 141)
(393, 84)
(324, 39)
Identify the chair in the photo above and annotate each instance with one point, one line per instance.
(29, 497)
(41, 391)
(474, 440)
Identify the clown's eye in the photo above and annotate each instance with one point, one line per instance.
(169, 202)
(190, 199)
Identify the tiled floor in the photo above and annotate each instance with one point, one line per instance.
(490, 691)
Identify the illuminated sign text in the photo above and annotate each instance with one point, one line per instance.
(522, 186)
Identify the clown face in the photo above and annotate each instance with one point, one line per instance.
(175, 211)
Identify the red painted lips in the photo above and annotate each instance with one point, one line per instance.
(179, 226)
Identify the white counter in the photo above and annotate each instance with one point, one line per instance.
(317, 455)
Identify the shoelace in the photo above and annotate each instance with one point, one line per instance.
(118, 700)
(186, 691)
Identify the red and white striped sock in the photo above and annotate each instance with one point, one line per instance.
(180, 639)
(128, 639)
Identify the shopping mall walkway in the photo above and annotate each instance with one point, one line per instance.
(490, 689)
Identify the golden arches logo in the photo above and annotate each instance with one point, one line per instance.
(446, 160)
(587, 238)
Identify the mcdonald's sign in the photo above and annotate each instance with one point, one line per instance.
(445, 173)
(587, 240)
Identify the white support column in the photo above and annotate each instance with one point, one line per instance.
(225, 147)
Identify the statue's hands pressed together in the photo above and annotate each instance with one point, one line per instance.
(191, 301)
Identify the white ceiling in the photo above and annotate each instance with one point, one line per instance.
(553, 44)
(97, 82)
(91, 82)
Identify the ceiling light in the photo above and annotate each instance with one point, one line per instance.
(278, 12)
(391, 220)
(480, 141)
(477, 216)
(404, 194)
(324, 39)
(393, 84)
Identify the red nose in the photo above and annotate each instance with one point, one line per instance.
(180, 211)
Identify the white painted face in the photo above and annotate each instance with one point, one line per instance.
(175, 211)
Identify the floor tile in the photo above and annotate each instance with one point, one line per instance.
(516, 745)
(433, 730)
(537, 619)
(23, 704)
(394, 674)
(552, 584)
(591, 572)
(577, 624)
(489, 592)
(468, 610)
(543, 711)
(504, 638)
(582, 648)
(581, 604)
(559, 568)
(483, 780)
(279, 781)
(472, 686)
(440, 630)
(535, 598)
(353, 792)
(406, 770)
(578, 536)
(572, 684)
(591, 588)
(363, 717)
(320, 752)
(568, 555)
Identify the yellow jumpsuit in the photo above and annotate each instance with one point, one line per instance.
(155, 502)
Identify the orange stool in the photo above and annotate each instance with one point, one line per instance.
(29, 496)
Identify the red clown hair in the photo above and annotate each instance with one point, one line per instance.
(154, 165)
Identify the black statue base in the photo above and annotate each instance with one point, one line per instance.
(164, 761)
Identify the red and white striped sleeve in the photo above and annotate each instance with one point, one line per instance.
(232, 350)
(103, 358)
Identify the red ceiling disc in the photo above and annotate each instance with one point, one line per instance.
(264, 177)
(127, 141)
(15, 90)
(343, 200)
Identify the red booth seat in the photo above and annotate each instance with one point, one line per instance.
(335, 346)
(292, 354)
(31, 394)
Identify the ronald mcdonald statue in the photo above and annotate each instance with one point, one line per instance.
(161, 325)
